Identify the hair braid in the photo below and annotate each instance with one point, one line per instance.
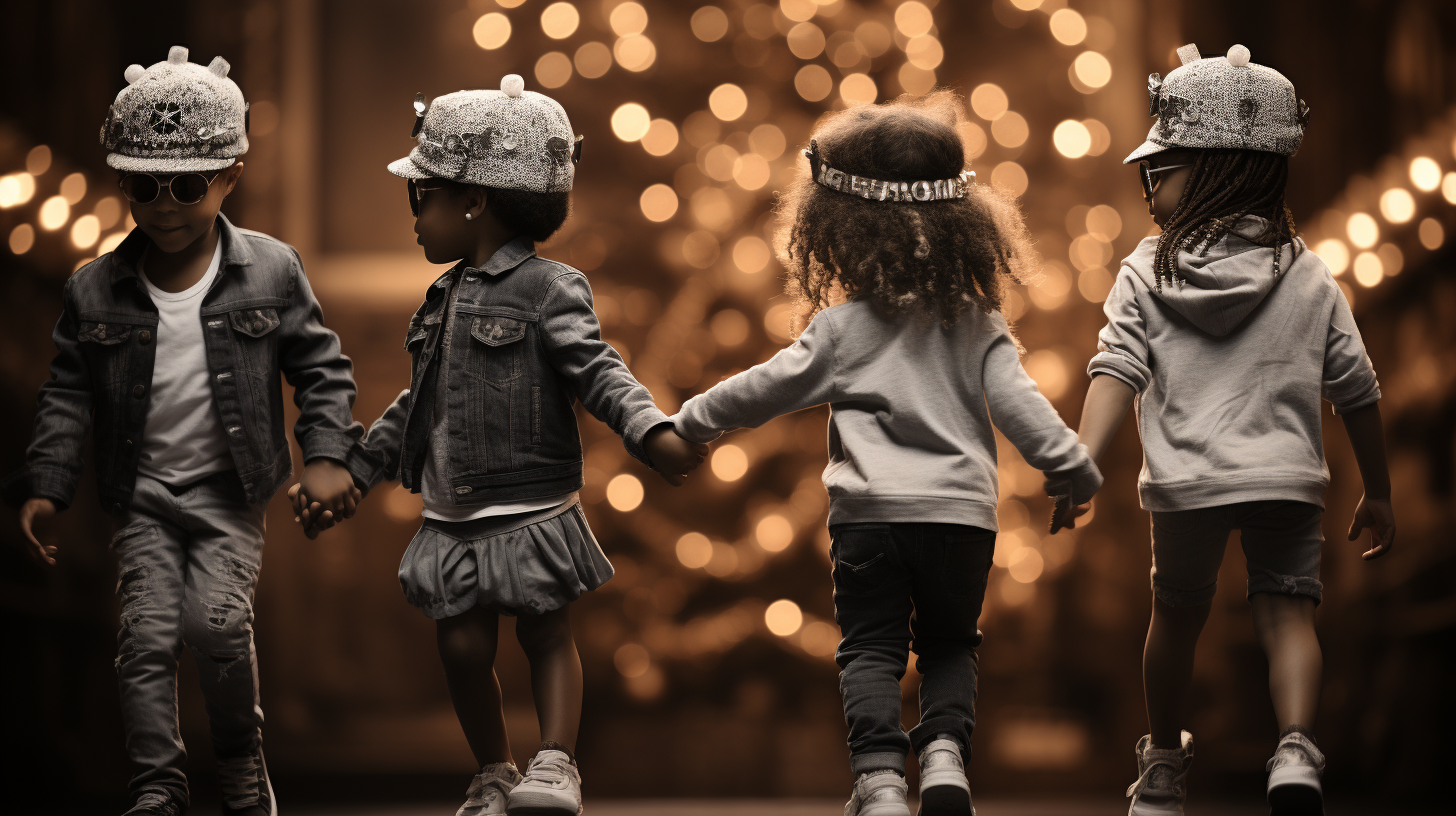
(1224, 187)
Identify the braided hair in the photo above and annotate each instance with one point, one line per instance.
(936, 258)
(1225, 186)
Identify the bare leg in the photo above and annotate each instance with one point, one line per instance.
(1168, 667)
(1285, 627)
(467, 645)
(555, 674)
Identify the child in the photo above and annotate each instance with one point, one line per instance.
(1231, 332)
(503, 343)
(172, 345)
(916, 365)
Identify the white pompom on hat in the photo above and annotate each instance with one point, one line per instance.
(511, 139)
(1223, 102)
(176, 117)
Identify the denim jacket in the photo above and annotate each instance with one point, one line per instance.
(259, 318)
(526, 344)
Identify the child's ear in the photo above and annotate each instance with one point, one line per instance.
(475, 202)
(230, 177)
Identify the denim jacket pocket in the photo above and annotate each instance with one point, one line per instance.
(254, 322)
(106, 334)
(498, 360)
(255, 340)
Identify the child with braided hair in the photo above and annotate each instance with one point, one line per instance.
(901, 259)
(1228, 332)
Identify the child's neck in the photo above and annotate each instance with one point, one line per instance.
(487, 244)
(181, 270)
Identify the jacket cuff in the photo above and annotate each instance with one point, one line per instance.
(1122, 367)
(328, 444)
(693, 431)
(636, 432)
(366, 468)
(39, 483)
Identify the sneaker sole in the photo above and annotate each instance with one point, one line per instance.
(1295, 800)
(945, 800)
(526, 803)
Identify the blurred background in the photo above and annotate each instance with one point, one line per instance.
(709, 656)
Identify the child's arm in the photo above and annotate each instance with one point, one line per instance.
(1349, 383)
(47, 483)
(312, 362)
(797, 377)
(374, 460)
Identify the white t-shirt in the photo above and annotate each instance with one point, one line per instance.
(184, 438)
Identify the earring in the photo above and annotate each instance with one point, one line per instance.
(468, 216)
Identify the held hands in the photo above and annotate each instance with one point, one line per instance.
(672, 456)
(1377, 515)
(324, 496)
(34, 510)
(1064, 513)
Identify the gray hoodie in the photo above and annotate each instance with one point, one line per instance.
(1230, 366)
(911, 411)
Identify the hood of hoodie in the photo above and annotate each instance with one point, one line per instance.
(1222, 286)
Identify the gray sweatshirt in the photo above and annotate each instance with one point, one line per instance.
(1230, 367)
(911, 412)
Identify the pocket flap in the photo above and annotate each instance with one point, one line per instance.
(254, 322)
(416, 334)
(497, 331)
(107, 334)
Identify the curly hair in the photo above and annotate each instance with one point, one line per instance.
(938, 258)
(1224, 186)
(535, 215)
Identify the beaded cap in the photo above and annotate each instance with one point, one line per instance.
(1223, 102)
(511, 139)
(176, 117)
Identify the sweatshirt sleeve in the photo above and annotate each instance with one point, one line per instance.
(797, 377)
(1349, 379)
(1030, 422)
(1122, 345)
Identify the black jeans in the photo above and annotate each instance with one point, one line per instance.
(898, 587)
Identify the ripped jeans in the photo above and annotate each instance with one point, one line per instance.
(187, 565)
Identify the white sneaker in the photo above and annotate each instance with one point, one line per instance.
(944, 790)
(551, 787)
(878, 793)
(1294, 778)
(487, 793)
(1160, 787)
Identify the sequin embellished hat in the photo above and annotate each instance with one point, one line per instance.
(1223, 102)
(176, 117)
(512, 139)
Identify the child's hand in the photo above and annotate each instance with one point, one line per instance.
(1065, 514)
(1377, 515)
(34, 510)
(671, 455)
(325, 494)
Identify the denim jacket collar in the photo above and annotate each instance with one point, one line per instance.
(508, 257)
(130, 250)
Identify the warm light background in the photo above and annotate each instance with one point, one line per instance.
(709, 656)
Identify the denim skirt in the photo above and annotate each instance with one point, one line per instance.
(521, 564)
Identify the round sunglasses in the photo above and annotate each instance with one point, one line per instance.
(185, 188)
(1148, 173)
(417, 190)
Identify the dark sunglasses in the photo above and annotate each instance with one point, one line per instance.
(185, 188)
(417, 192)
(1148, 171)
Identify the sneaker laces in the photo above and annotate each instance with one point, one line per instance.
(551, 770)
(1157, 783)
(491, 783)
(240, 779)
(1296, 749)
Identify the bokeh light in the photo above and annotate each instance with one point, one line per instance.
(553, 69)
(1335, 255)
(559, 20)
(709, 23)
(751, 171)
(728, 102)
(694, 550)
(111, 242)
(1049, 370)
(700, 248)
(1448, 188)
(798, 10)
(658, 202)
(768, 141)
(1010, 130)
(630, 122)
(925, 52)
(729, 327)
(1092, 69)
(1425, 173)
(491, 31)
(1104, 222)
(806, 41)
(1025, 565)
(973, 137)
(86, 231)
(1431, 234)
(729, 463)
(661, 137)
(624, 492)
(632, 660)
(22, 238)
(783, 617)
(774, 533)
(751, 254)
(107, 211)
(1071, 138)
(1010, 177)
(858, 89)
(813, 82)
(628, 18)
(73, 188)
(915, 81)
(635, 52)
(1101, 136)
(989, 102)
(593, 60)
(1067, 26)
(1397, 205)
(913, 18)
(1392, 260)
(16, 189)
(54, 213)
(1368, 269)
(1362, 230)
(1094, 283)
(38, 160)
(873, 37)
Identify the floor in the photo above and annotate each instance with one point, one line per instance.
(807, 807)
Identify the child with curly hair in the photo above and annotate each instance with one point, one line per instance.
(1228, 333)
(900, 259)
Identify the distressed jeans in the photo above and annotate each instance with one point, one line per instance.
(187, 565)
(898, 587)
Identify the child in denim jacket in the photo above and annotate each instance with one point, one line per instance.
(503, 345)
(169, 348)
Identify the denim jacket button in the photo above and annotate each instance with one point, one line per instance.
(145, 338)
(463, 489)
(139, 391)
